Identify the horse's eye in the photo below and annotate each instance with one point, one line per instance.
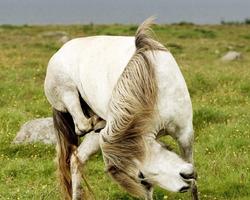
(141, 176)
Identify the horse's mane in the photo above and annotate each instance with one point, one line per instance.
(132, 110)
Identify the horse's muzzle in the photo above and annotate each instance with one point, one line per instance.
(193, 175)
(184, 189)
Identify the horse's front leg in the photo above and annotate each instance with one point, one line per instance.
(88, 147)
(185, 140)
(150, 194)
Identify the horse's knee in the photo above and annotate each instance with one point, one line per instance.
(185, 140)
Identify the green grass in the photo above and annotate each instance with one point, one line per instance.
(220, 94)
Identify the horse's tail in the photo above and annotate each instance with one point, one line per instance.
(67, 142)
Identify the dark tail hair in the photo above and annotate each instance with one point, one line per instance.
(67, 142)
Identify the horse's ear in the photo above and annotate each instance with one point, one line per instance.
(112, 169)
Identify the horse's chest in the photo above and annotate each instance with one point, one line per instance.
(174, 104)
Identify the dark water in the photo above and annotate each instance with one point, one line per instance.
(121, 11)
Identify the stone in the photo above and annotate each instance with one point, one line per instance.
(37, 130)
(54, 34)
(231, 55)
(64, 39)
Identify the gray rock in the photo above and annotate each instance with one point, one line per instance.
(231, 55)
(38, 130)
(64, 39)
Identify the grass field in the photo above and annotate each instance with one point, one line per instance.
(220, 94)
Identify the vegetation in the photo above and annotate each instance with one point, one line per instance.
(246, 21)
(220, 94)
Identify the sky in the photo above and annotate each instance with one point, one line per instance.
(121, 11)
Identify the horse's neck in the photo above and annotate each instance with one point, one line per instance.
(174, 104)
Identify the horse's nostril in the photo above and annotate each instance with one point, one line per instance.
(188, 176)
(184, 189)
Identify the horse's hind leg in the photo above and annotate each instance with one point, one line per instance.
(88, 147)
(71, 101)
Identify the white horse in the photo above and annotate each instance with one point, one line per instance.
(134, 85)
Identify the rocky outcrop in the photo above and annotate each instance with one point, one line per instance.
(37, 130)
(231, 55)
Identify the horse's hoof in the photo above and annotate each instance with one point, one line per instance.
(82, 132)
(99, 126)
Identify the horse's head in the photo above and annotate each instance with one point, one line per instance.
(160, 167)
(165, 168)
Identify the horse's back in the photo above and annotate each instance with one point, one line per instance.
(94, 65)
(96, 52)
